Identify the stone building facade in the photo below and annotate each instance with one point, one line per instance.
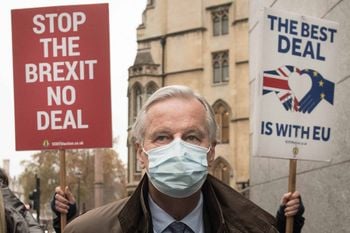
(325, 187)
(202, 44)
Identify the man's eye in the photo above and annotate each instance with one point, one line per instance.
(162, 139)
(192, 139)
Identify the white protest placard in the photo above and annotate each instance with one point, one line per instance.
(294, 104)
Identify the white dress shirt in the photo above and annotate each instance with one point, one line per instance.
(162, 219)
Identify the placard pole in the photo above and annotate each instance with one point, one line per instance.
(291, 189)
(63, 182)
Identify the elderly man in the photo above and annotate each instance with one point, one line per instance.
(175, 135)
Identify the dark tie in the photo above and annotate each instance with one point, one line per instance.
(177, 227)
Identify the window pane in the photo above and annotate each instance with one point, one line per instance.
(222, 171)
(216, 24)
(224, 25)
(225, 119)
(225, 127)
(225, 74)
(226, 175)
(217, 72)
(150, 90)
(138, 100)
(218, 121)
(225, 135)
(138, 103)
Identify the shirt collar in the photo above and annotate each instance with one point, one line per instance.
(162, 219)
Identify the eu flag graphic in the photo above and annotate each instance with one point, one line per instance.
(322, 89)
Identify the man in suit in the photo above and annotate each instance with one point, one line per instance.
(175, 137)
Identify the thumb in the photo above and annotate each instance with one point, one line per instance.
(285, 198)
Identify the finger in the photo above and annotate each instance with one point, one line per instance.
(306, 104)
(304, 99)
(293, 202)
(313, 105)
(292, 207)
(59, 190)
(61, 207)
(290, 213)
(69, 195)
(308, 100)
(285, 198)
(61, 198)
(295, 195)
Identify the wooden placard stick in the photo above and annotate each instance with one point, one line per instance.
(63, 183)
(291, 189)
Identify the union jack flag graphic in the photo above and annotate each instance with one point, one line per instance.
(277, 81)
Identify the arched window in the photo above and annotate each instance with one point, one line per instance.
(220, 18)
(137, 99)
(220, 67)
(222, 116)
(150, 89)
(222, 170)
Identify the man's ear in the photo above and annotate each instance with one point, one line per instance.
(141, 157)
(211, 154)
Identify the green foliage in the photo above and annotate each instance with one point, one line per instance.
(79, 175)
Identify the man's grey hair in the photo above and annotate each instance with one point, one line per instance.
(168, 92)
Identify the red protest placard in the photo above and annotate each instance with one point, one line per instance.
(61, 69)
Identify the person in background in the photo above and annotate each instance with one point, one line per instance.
(2, 215)
(18, 218)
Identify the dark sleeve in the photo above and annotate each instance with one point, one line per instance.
(33, 225)
(298, 222)
(57, 219)
(18, 218)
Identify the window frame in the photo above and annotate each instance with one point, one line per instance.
(220, 20)
(220, 67)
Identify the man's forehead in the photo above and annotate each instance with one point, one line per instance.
(176, 98)
(176, 114)
(181, 107)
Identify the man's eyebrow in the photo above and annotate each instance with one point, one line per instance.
(160, 131)
(197, 131)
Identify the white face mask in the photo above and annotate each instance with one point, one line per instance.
(178, 169)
